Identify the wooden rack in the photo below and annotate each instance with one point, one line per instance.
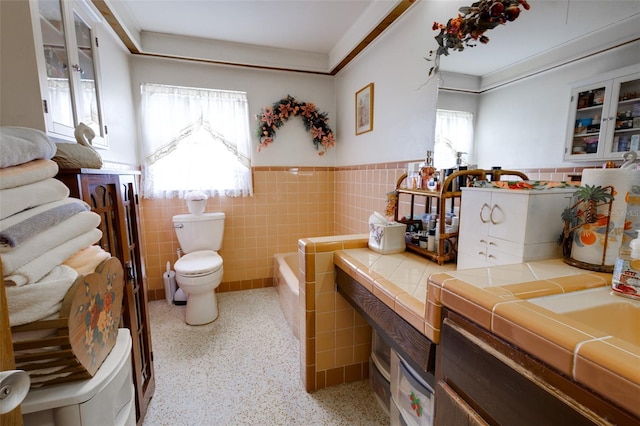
(447, 243)
(74, 345)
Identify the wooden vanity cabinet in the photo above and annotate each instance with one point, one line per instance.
(481, 379)
(413, 346)
(114, 196)
(453, 409)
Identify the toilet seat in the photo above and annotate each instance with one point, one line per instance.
(198, 263)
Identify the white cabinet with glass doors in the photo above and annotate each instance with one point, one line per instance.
(604, 118)
(66, 50)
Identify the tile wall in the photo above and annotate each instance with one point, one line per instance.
(361, 190)
(287, 205)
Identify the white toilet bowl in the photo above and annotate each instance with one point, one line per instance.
(198, 274)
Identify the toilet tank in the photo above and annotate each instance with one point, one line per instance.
(199, 232)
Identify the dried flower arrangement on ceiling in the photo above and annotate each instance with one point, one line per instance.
(472, 22)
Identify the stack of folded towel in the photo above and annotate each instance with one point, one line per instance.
(46, 237)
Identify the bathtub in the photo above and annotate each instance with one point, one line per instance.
(286, 281)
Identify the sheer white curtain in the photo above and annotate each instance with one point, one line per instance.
(89, 113)
(195, 139)
(60, 98)
(454, 133)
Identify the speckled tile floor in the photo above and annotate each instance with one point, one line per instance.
(243, 369)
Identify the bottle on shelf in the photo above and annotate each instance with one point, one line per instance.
(431, 241)
(437, 236)
(414, 180)
(626, 272)
(427, 169)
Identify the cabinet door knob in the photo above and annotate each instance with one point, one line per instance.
(77, 68)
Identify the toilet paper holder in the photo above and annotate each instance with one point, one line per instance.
(14, 386)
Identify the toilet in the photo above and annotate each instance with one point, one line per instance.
(199, 271)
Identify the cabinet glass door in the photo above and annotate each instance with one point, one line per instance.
(83, 66)
(70, 84)
(626, 117)
(588, 134)
(60, 105)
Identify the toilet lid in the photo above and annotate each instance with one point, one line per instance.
(198, 263)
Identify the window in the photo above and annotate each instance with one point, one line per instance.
(195, 139)
(454, 133)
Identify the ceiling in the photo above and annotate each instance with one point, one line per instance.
(334, 31)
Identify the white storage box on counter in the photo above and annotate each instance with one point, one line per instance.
(411, 395)
(386, 237)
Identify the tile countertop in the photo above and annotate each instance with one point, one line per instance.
(495, 298)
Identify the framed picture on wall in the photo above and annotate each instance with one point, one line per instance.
(364, 109)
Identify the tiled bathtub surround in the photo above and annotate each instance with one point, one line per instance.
(289, 203)
(335, 341)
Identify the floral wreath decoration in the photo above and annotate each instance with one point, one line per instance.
(472, 22)
(274, 117)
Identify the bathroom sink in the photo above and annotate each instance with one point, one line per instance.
(599, 309)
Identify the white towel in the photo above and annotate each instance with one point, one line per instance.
(39, 300)
(21, 145)
(51, 238)
(15, 200)
(43, 264)
(24, 174)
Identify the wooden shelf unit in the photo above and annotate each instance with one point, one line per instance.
(447, 243)
(114, 196)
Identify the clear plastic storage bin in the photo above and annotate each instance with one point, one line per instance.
(381, 353)
(380, 385)
(412, 396)
(395, 418)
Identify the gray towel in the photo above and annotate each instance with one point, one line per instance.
(20, 145)
(16, 234)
